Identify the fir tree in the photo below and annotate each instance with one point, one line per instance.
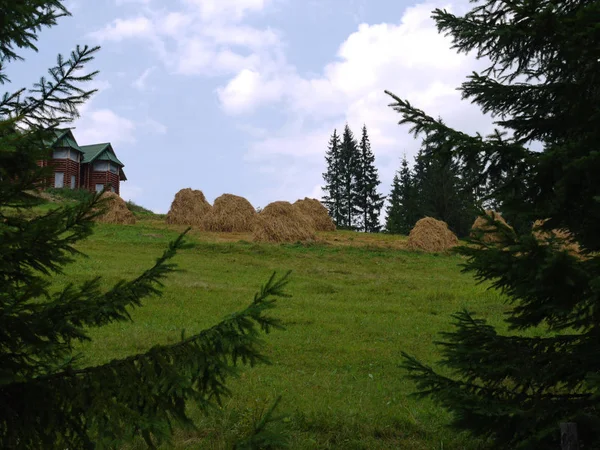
(402, 213)
(393, 219)
(332, 177)
(368, 201)
(516, 387)
(48, 400)
(441, 191)
(349, 170)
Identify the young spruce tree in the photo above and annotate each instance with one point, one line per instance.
(402, 211)
(542, 83)
(368, 201)
(332, 178)
(47, 400)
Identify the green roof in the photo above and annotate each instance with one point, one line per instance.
(99, 152)
(102, 152)
(64, 138)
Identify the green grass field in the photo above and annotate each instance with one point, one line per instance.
(357, 301)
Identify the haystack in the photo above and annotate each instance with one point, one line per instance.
(567, 241)
(431, 235)
(116, 210)
(492, 234)
(283, 222)
(230, 213)
(189, 207)
(315, 211)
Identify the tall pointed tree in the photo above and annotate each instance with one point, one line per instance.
(393, 211)
(332, 177)
(349, 170)
(542, 83)
(402, 213)
(368, 201)
(47, 399)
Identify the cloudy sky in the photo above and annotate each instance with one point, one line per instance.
(241, 96)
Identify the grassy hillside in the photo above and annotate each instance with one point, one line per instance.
(358, 300)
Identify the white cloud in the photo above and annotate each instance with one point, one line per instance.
(231, 10)
(409, 58)
(247, 90)
(122, 2)
(121, 29)
(104, 125)
(140, 83)
(204, 37)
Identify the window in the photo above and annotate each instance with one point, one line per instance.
(73, 180)
(112, 189)
(74, 155)
(60, 154)
(99, 187)
(100, 166)
(59, 179)
(114, 168)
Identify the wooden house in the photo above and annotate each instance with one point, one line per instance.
(91, 167)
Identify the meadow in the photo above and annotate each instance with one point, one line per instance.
(357, 301)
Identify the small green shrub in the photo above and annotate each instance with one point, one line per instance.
(137, 209)
(79, 195)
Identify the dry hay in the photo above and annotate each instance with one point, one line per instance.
(115, 210)
(230, 213)
(189, 207)
(315, 211)
(283, 222)
(564, 237)
(492, 234)
(431, 235)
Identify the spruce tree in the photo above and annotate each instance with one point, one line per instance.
(332, 177)
(393, 211)
(515, 387)
(443, 194)
(368, 201)
(349, 171)
(47, 399)
(402, 213)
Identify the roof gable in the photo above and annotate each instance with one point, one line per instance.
(64, 138)
(100, 152)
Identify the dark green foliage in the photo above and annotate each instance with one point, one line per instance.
(349, 161)
(542, 84)
(333, 181)
(138, 209)
(402, 212)
(70, 194)
(46, 399)
(351, 182)
(265, 434)
(441, 192)
(368, 201)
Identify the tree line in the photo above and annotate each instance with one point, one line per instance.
(437, 186)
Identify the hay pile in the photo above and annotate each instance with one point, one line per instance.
(567, 241)
(230, 213)
(189, 207)
(431, 235)
(315, 211)
(116, 210)
(492, 234)
(283, 222)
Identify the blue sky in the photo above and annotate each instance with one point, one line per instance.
(240, 96)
